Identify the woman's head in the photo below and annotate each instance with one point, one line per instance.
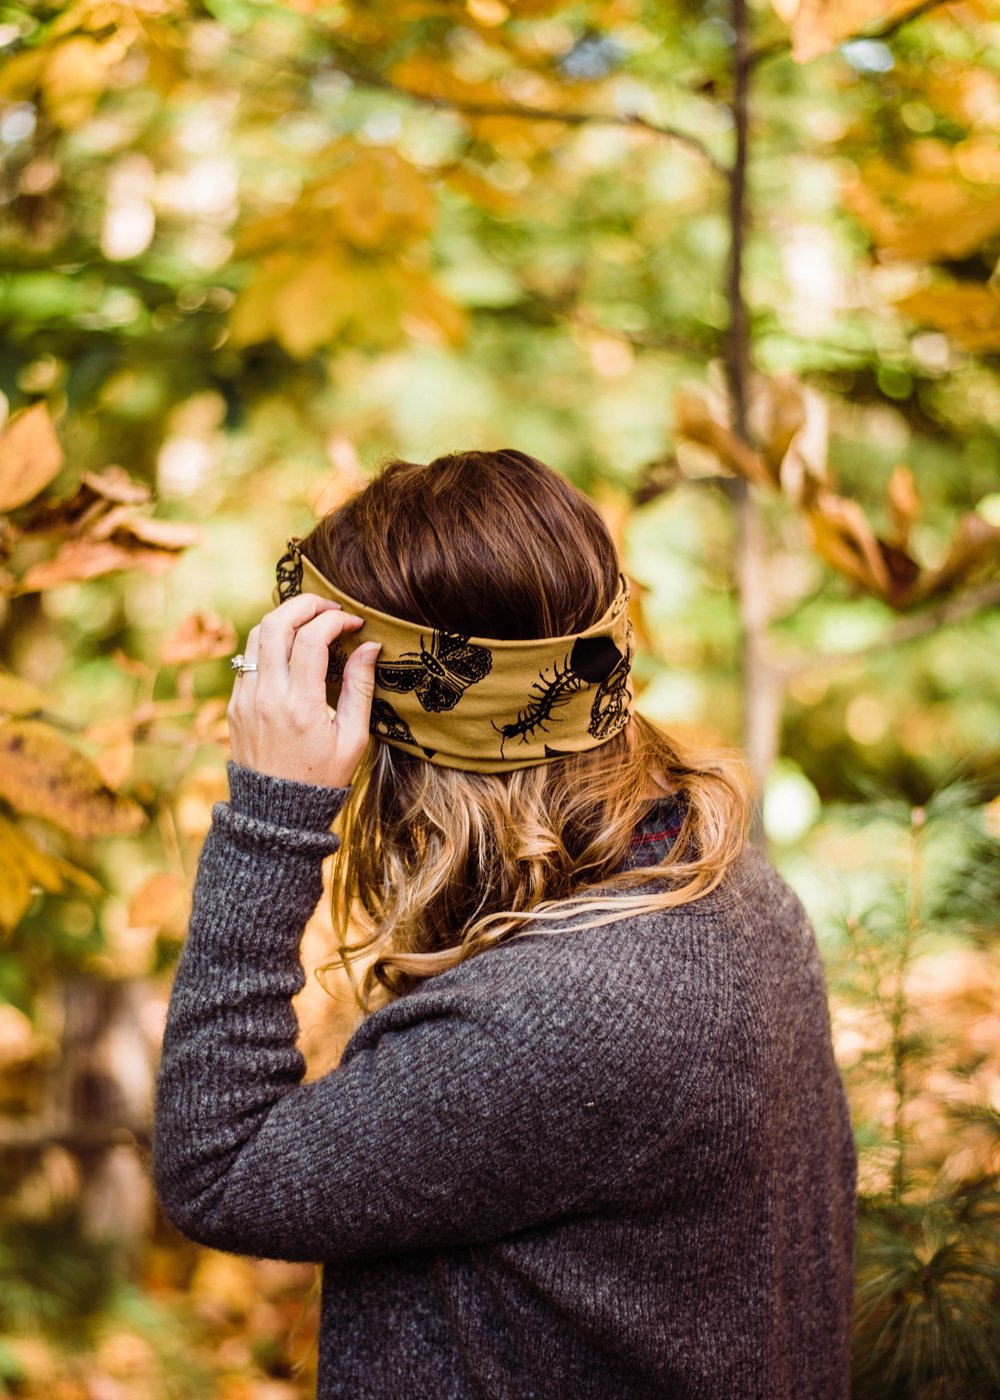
(489, 544)
(446, 862)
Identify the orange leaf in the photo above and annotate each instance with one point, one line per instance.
(42, 776)
(30, 456)
(904, 504)
(818, 26)
(199, 637)
(160, 900)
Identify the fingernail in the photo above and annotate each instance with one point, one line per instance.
(370, 648)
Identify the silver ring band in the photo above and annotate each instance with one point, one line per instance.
(239, 663)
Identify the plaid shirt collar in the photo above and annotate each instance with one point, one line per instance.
(655, 833)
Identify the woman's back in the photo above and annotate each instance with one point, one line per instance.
(615, 1161)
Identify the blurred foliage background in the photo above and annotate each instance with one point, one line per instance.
(734, 271)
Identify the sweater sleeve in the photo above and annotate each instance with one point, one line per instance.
(496, 1097)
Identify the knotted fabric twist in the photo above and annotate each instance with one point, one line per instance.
(480, 703)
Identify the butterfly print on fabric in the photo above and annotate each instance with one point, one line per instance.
(289, 574)
(592, 660)
(441, 675)
(386, 723)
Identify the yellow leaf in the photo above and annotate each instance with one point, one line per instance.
(74, 78)
(926, 213)
(20, 697)
(30, 456)
(312, 305)
(25, 867)
(970, 314)
(379, 196)
(43, 777)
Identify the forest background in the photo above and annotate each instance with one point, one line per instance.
(732, 269)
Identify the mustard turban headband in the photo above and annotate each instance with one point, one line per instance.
(479, 703)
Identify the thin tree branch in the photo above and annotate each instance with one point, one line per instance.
(368, 77)
(954, 609)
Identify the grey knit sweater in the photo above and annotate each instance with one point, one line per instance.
(598, 1164)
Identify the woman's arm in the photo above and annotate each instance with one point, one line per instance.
(530, 1084)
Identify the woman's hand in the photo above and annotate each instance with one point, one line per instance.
(279, 722)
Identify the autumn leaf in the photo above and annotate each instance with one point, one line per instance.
(25, 867)
(818, 26)
(904, 504)
(843, 536)
(697, 418)
(20, 697)
(160, 900)
(926, 213)
(42, 776)
(83, 559)
(30, 456)
(200, 637)
(968, 313)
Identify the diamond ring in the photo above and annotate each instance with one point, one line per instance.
(240, 663)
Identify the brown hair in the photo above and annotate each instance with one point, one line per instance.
(444, 863)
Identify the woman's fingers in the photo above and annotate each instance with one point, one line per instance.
(278, 629)
(311, 653)
(355, 707)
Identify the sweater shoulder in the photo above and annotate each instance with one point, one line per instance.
(644, 977)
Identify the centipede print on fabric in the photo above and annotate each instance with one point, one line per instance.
(593, 660)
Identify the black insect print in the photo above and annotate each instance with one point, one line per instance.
(609, 711)
(440, 675)
(592, 660)
(386, 723)
(335, 665)
(289, 574)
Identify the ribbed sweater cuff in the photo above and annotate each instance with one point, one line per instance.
(283, 802)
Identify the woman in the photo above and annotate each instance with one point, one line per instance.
(590, 1140)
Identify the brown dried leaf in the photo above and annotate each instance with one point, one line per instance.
(115, 484)
(844, 538)
(83, 559)
(696, 419)
(162, 534)
(200, 637)
(976, 543)
(30, 456)
(42, 776)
